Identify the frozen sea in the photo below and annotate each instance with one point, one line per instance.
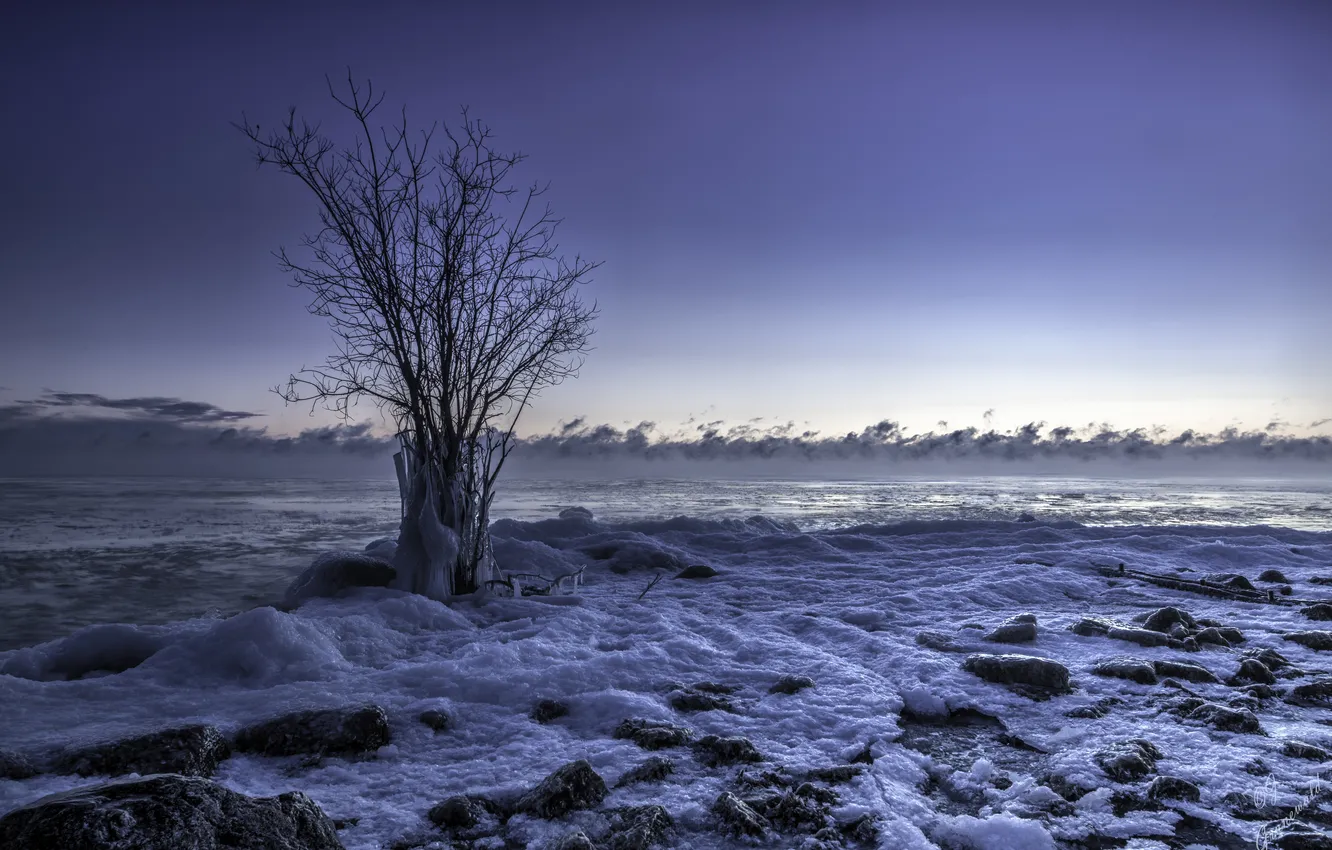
(876, 591)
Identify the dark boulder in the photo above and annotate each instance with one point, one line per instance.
(574, 786)
(329, 731)
(652, 735)
(690, 700)
(1289, 834)
(16, 766)
(737, 818)
(189, 751)
(714, 751)
(1274, 576)
(547, 710)
(1128, 761)
(1234, 581)
(1225, 718)
(1318, 611)
(1272, 659)
(1319, 640)
(791, 684)
(835, 775)
(1184, 670)
(459, 812)
(1253, 670)
(333, 572)
(1019, 629)
(1301, 750)
(1093, 627)
(1018, 670)
(1173, 788)
(576, 840)
(1164, 619)
(652, 770)
(1142, 637)
(1317, 691)
(435, 719)
(1132, 669)
(168, 812)
(697, 571)
(638, 827)
(1212, 637)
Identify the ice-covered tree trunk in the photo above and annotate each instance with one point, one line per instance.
(443, 541)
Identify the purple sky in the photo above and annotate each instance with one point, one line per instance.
(827, 213)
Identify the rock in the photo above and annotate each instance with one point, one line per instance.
(865, 756)
(574, 786)
(1133, 669)
(1272, 659)
(938, 641)
(547, 710)
(651, 735)
(1164, 619)
(1025, 617)
(1301, 750)
(333, 572)
(1025, 517)
(1275, 576)
(168, 812)
(1142, 637)
(1015, 630)
(458, 812)
(655, 768)
(1234, 581)
(437, 720)
(737, 818)
(1018, 670)
(862, 830)
(576, 840)
(697, 571)
(1288, 834)
(1226, 719)
(638, 827)
(714, 751)
(1092, 627)
(714, 688)
(1229, 634)
(1261, 692)
(791, 684)
(1128, 761)
(795, 811)
(189, 751)
(1184, 670)
(1319, 690)
(16, 766)
(834, 775)
(1253, 670)
(690, 700)
(1318, 611)
(1173, 788)
(1212, 636)
(329, 731)
(1095, 711)
(1319, 640)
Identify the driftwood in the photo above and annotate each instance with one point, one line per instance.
(651, 585)
(517, 587)
(1204, 587)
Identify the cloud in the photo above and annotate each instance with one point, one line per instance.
(148, 407)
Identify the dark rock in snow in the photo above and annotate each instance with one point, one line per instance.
(189, 751)
(834, 775)
(697, 571)
(1226, 719)
(1095, 711)
(576, 840)
(168, 812)
(1128, 761)
(1018, 670)
(714, 688)
(1142, 637)
(1230, 634)
(1211, 636)
(652, 770)
(1234, 581)
(1015, 630)
(547, 710)
(638, 827)
(1301, 750)
(714, 751)
(1133, 669)
(865, 756)
(737, 818)
(1272, 659)
(15, 766)
(1173, 788)
(1275, 576)
(651, 735)
(691, 700)
(574, 786)
(333, 572)
(1164, 619)
(1184, 670)
(1092, 627)
(1262, 692)
(437, 720)
(1319, 640)
(1318, 611)
(791, 684)
(1317, 691)
(938, 641)
(1253, 670)
(329, 731)
(458, 812)
(1290, 834)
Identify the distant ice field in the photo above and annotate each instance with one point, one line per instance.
(74, 552)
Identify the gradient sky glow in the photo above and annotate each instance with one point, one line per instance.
(828, 213)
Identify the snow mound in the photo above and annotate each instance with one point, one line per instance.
(111, 648)
(333, 572)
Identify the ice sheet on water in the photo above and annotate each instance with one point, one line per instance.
(841, 606)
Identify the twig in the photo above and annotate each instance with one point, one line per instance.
(1204, 587)
(651, 585)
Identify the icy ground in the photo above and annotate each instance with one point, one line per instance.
(844, 607)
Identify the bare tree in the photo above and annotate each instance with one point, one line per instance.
(451, 305)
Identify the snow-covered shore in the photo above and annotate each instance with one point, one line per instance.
(844, 607)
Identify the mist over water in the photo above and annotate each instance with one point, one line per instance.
(150, 550)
